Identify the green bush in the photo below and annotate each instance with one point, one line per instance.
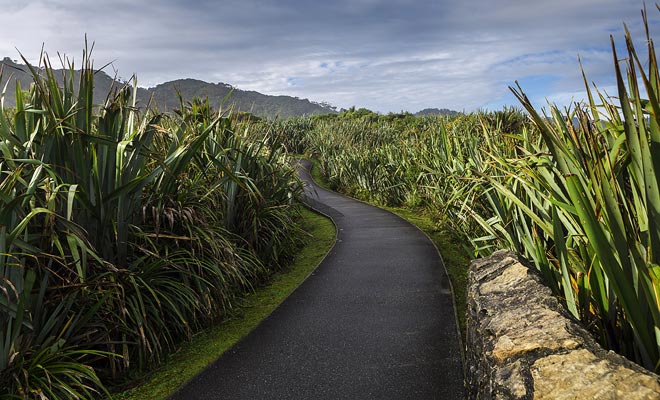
(122, 232)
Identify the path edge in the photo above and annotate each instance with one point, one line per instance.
(171, 395)
(442, 261)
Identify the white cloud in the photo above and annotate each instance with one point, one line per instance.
(385, 55)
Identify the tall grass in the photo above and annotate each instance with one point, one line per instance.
(576, 192)
(122, 232)
(591, 198)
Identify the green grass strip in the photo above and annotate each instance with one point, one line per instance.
(208, 345)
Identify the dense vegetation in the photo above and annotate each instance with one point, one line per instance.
(122, 233)
(576, 192)
(197, 354)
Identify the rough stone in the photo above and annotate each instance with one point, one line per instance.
(591, 377)
(513, 378)
(523, 344)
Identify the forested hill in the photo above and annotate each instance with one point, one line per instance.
(436, 111)
(164, 95)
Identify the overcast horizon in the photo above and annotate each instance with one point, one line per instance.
(388, 56)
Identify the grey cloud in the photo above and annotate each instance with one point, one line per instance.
(386, 55)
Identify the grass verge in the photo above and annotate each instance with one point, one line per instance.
(318, 177)
(208, 345)
(455, 258)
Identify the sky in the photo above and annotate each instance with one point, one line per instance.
(385, 55)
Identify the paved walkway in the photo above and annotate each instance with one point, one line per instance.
(374, 321)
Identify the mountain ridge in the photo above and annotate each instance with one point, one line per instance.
(437, 111)
(164, 95)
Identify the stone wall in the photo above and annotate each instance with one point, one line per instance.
(523, 344)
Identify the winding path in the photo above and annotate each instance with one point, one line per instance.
(374, 321)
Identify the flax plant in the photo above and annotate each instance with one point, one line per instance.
(583, 203)
(122, 232)
(575, 191)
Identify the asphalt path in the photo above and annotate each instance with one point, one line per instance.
(374, 321)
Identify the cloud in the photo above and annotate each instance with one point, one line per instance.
(385, 55)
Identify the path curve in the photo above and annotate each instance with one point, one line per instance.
(375, 320)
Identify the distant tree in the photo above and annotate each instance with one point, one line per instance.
(360, 113)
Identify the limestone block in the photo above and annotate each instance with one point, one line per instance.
(581, 374)
(523, 344)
